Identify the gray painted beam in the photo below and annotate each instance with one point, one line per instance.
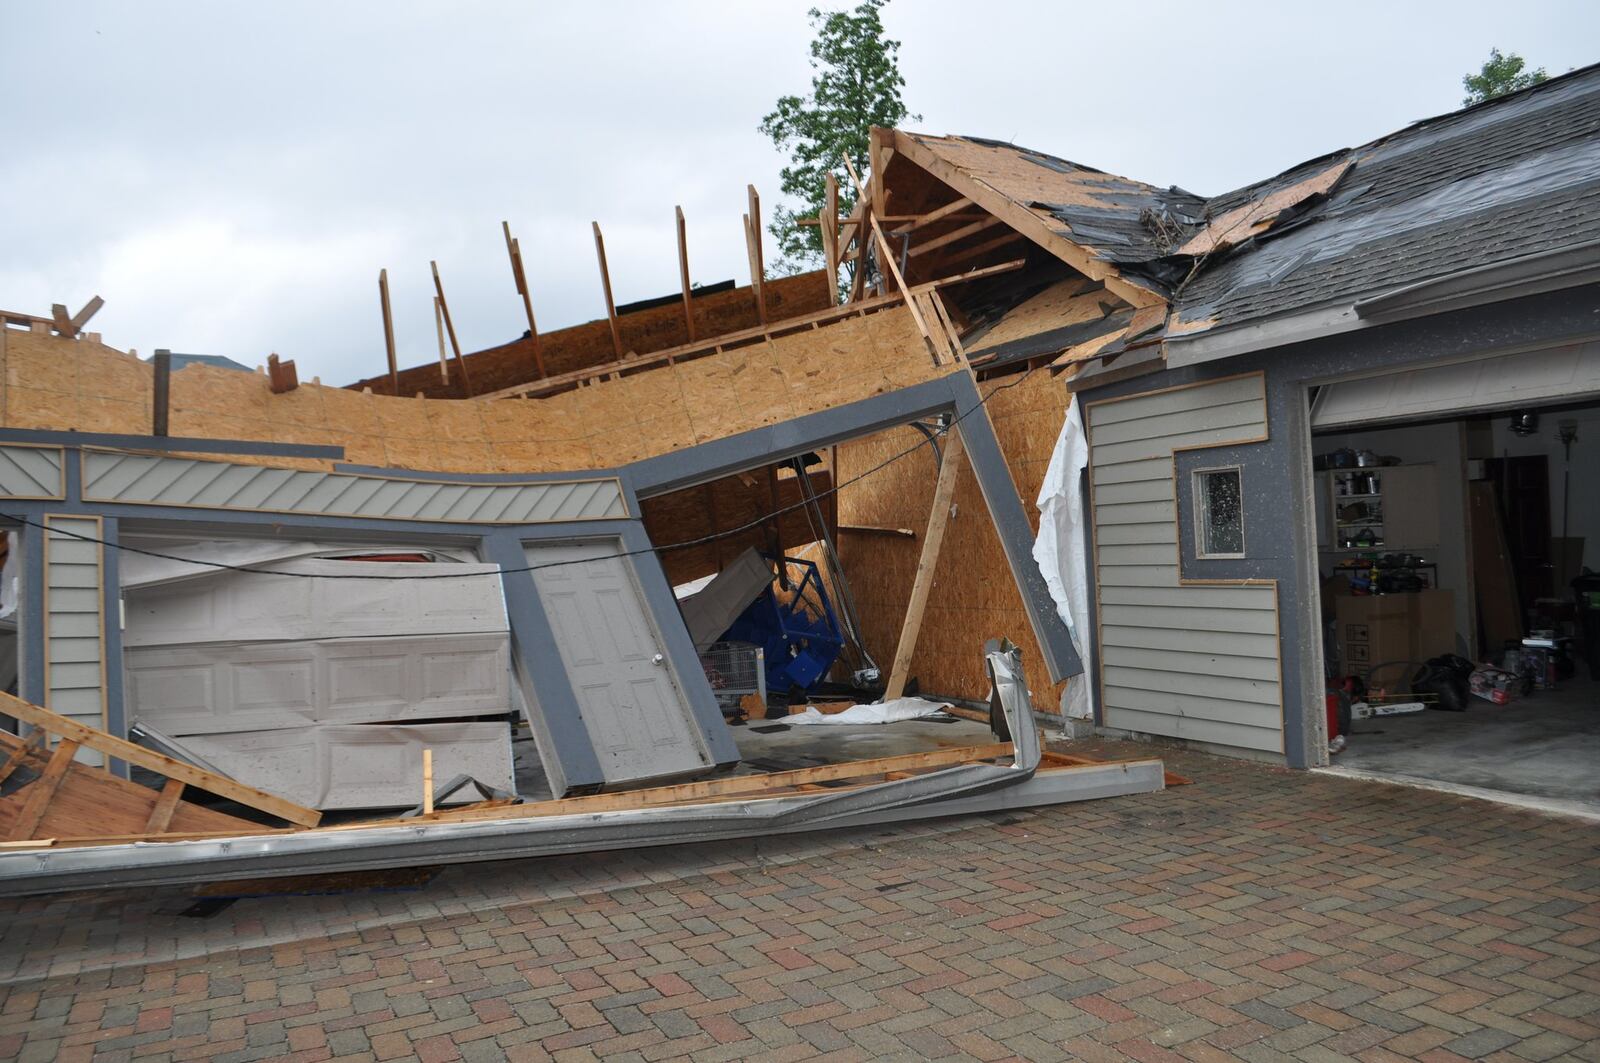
(1011, 524)
(763, 446)
(111, 643)
(557, 721)
(187, 444)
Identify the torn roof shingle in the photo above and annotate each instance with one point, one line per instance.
(1502, 180)
(1508, 178)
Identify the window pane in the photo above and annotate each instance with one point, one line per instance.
(1223, 516)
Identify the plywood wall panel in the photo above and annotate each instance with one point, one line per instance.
(974, 596)
(55, 383)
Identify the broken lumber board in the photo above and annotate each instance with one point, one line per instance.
(938, 517)
(90, 802)
(1068, 760)
(748, 786)
(120, 749)
(41, 792)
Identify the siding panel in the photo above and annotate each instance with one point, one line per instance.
(74, 644)
(1190, 661)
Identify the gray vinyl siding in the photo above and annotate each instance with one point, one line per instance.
(74, 631)
(31, 472)
(110, 476)
(1200, 662)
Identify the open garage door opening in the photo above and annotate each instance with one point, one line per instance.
(1458, 537)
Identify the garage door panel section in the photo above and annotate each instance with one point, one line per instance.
(244, 607)
(1188, 661)
(333, 766)
(637, 718)
(1570, 373)
(271, 686)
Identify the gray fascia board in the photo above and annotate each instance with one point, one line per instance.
(763, 446)
(563, 742)
(687, 671)
(1546, 271)
(505, 478)
(1568, 267)
(175, 444)
(1257, 336)
(1011, 524)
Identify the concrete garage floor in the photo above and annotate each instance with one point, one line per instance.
(1543, 749)
(791, 747)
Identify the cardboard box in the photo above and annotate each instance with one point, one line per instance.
(1394, 627)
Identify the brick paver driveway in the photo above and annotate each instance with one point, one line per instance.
(1257, 914)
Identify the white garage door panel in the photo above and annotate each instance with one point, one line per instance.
(1570, 374)
(331, 766)
(248, 607)
(269, 686)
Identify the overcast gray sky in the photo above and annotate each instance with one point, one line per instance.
(231, 176)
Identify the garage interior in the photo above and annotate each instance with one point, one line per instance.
(1474, 535)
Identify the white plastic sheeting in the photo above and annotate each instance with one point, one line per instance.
(880, 712)
(1060, 555)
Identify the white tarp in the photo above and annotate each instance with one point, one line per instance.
(881, 712)
(1060, 554)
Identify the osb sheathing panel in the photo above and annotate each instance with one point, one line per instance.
(1058, 306)
(974, 596)
(57, 383)
(643, 331)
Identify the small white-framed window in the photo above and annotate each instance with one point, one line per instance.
(1219, 512)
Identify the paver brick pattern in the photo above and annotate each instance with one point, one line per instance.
(1258, 914)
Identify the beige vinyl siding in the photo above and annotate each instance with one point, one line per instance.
(1199, 662)
(74, 629)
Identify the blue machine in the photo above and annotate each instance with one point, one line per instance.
(796, 628)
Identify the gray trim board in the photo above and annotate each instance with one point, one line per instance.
(763, 446)
(186, 444)
(111, 644)
(1012, 526)
(30, 610)
(391, 473)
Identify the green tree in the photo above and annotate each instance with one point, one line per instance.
(1500, 74)
(856, 86)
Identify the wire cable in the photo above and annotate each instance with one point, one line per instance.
(767, 518)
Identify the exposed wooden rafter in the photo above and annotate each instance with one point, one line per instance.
(1022, 220)
(683, 272)
(605, 283)
(519, 276)
(450, 329)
